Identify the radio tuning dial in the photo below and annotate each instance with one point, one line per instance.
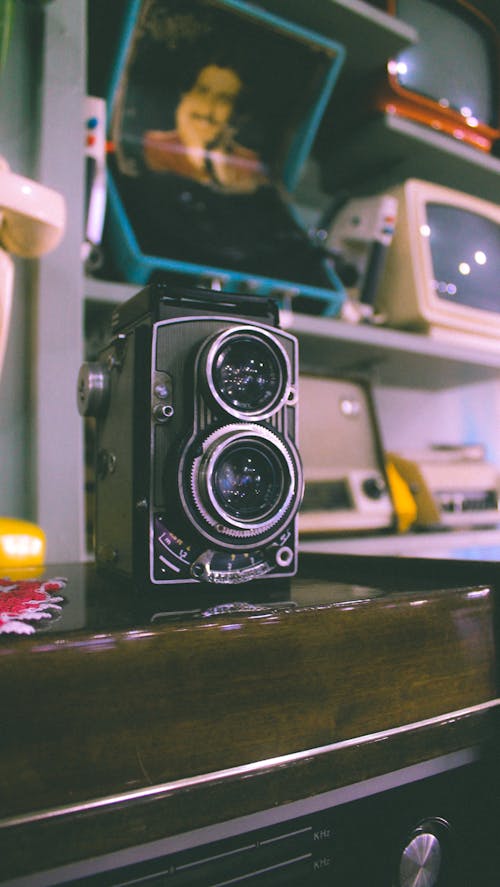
(374, 487)
(421, 860)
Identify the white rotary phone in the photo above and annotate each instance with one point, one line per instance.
(32, 223)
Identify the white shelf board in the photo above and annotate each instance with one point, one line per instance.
(391, 357)
(456, 544)
(389, 149)
(369, 35)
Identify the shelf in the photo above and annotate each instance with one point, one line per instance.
(389, 357)
(456, 544)
(369, 36)
(389, 149)
(392, 357)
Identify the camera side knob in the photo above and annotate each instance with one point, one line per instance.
(93, 389)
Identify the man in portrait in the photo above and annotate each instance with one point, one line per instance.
(203, 146)
(205, 123)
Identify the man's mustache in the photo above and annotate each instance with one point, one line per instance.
(205, 118)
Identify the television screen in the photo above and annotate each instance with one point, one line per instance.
(465, 249)
(452, 61)
(449, 79)
(443, 266)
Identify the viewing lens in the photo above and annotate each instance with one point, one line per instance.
(248, 481)
(247, 374)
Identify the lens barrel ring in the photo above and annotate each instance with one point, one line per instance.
(247, 372)
(249, 464)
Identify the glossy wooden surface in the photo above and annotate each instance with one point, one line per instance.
(107, 702)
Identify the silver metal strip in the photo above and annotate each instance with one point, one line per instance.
(242, 825)
(242, 770)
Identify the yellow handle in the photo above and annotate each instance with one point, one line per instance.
(22, 544)
(404, 503)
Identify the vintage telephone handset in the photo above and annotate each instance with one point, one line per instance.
(32, 223)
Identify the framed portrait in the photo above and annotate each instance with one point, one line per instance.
(213, 108)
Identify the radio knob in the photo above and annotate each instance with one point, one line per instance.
(420, 863)
(374, 487)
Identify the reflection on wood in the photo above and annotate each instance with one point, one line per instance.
(100, 711)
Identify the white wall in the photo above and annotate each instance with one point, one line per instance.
(414, 419)
(18, 144)
(41, 436)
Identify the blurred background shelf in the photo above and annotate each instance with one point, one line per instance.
(422, 386)
(462, 544)
(388, 149)
(387, 356)
(390, 357)
(369, 35)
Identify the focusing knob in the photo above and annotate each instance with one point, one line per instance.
(421, 860)
(93, 389)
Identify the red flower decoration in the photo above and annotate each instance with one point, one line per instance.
(28, 601)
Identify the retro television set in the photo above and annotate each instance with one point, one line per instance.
(443, 266)
(207, 141)
(450, 78)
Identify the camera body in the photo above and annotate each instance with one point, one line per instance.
(198, 477)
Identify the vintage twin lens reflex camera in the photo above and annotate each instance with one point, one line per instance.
(198, 476)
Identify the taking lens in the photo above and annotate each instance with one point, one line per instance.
(241, 483)
(248, 481)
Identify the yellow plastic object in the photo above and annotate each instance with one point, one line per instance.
(22, 545)
(404, 503)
